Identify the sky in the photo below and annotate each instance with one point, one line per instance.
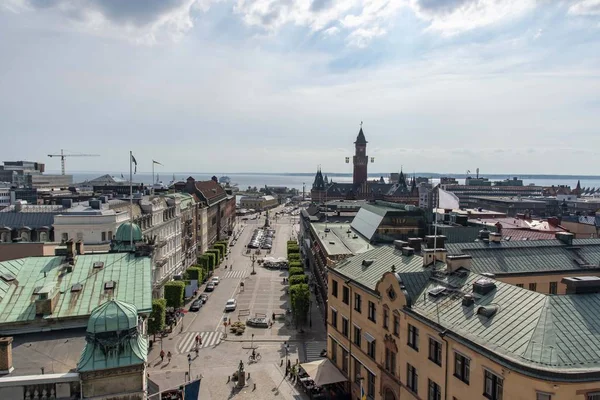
(506, 86)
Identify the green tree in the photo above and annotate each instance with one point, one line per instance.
(174, 292)
(156, 323)
(297, 279)
(300, 302)
(194, 272)
(293, 250)
(295, 271)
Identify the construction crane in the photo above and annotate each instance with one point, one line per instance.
(62, 156)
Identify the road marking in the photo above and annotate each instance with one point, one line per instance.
(209, 339)
(312, 350)
(235, 274)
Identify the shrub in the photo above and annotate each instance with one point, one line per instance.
(298, 279)
(222, 248)
(174, 292)
(216, 256)
(194, 272)
(300, 302)
(225, 243)
(295, 271)
(156, 323)
(294, 257)
(293, 250)
(296, 264)
(293, 242)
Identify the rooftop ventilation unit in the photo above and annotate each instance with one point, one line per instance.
(331, 242)
(468, 300)
(76, 287)
(110, 285)
(408, 251)
(366, 263)
(98, 265)
(483, 286)
(487, 311)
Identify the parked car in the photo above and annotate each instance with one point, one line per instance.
(209, 287)
(215, 280)
(230, 305)
(203, 298)
(196, 305)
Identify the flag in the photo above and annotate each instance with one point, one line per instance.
(156, 162)
(122, 177)
(363, 396)
(192, 390)
(447, 200)
(133, 160)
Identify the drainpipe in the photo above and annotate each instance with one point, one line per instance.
(442, 336)
(350, 330)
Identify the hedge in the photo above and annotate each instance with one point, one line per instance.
(224, 243)
(156, 323)
(293, 250)
(217, 255)
(207, 260)
(294, 257)
(291, 242)
(195, 272)
(298, 279)
(296, 264)
(174, 292)
(221, 247)
(295, 271)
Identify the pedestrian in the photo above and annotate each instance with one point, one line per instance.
(197, 339)
(169, 357)
(162, 355)
(197, 350)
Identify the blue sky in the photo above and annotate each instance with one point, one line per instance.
(279, 85)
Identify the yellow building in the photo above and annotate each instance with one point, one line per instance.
(404, 329)
(259, 203)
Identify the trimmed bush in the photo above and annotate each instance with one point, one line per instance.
(295, 271)
(294, 257)
(298, 279)
(216, 256)
(293, 242)
(224, 243)
(296, 264)
(221, 247)
(174, 292)
(293, 249)
(195, 272)
(156, 323)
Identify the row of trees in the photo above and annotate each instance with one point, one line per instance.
(299, 291)
(175, 290)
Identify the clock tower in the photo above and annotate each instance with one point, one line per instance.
(360, 159)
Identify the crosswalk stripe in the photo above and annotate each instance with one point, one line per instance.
(209, 339)
(235, 274)
(312, 350)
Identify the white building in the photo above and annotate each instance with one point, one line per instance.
(4, 196)
(425, 195)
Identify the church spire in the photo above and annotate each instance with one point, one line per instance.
(360, 139)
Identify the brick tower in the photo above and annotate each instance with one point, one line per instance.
(360, 159)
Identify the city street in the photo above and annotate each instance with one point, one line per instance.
(221, 351)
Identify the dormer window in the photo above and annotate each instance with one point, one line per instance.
(110, 285)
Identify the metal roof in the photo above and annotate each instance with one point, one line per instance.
(338, 241)
(383, 258)
(133, 277)
(508, 257)
(33, 216)
(556, 334)
(367, 220)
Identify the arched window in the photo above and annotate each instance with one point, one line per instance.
(25, 236)
(43, 236)
(4, 237)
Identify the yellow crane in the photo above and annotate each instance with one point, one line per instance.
(62, 156)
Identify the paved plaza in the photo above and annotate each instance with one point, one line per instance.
(220, 353)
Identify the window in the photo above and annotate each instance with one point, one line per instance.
(386, 318)
(390, 361)
(333, 351)
(413, 337)
(532, 286)
(334, 288)
(412, 378)
(462, 367)
(357, 336)
(396, 325)
(104, 236)
(345, 327)
(519, 285)
(357, 302)
(543, 396)
(110, 235)
(371, 349)
(372, 311)
(593, 396)
(434, 392)
(334, 318)
(492, 386)
(346, 295)
(553, 288)
(344, 361)
(357, 371)
(214, 220)
(370, 384)
(435, 351)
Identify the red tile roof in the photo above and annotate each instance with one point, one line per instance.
(211, 190)
(522, 234)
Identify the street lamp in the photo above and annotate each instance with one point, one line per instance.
(253, 258)
(286, 345)
(189, 367)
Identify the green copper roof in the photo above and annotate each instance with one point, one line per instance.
(111, 316)
(134, 351)
(187, 200)
(132, 277)
(124, 232)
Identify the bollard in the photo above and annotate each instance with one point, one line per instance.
(248, 375)
(228, 378)
(254, 388)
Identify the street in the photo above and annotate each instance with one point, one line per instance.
(221, 351)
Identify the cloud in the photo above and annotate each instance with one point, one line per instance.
(451, 17)
(585, 8)
(143, 22)
(538, 34)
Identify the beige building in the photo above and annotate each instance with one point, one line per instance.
(259, 203)
(406, 329)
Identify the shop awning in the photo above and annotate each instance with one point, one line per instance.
(323, 372)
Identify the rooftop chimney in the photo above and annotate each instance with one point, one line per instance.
(6, 364)
(399, 244)
(46, 301)
(70, 249)
(440, 255)
(495, 237)
(438, 241)
(582, 284)
(565, 237)
(79, 248)
(19, 205)
(415, 243)
(455, 262)
(408, 251)
(95, 204)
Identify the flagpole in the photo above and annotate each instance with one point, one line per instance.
(152, 186)
(435, 225)
(130, 198)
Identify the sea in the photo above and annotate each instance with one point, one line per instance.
(305, 180)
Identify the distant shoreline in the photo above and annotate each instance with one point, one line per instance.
(341, 174)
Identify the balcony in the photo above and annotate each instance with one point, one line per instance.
(161, 243)
(161, 261)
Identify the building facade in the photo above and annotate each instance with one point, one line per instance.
(259, 203)
(404, 329)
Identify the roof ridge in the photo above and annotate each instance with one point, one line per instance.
(547, 337)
